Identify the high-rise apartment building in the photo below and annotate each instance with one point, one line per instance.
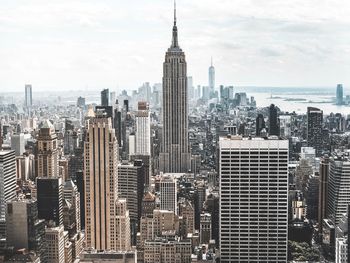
(100, 178)
(168, 193)
(253, 199)
(314, 129)
(50, 199)
(175, 153)
(28, 95)
(47, 155)
(143, 129)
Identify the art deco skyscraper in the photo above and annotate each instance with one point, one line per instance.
(253, 199)
(175, 155)
(100, 173)
(47, 157)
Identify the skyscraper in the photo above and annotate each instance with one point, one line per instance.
(175, 154)
(47, 156)
(7, 184)
(339, 99)
(323, 190)
(143, 129)
(55, 244)
(50, 199)
(273, 121)
(168, 193)
(100, 175)
(314, 129)
(338, 187)
(28, 95)
(211, 78)
(105, 97)
(17, 143)
(253, 199)
(260, 124)
(23, 227)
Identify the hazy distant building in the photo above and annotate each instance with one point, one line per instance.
(18, 144)
(175, 153)
(28, 95)
(50, 199)
(314, 129)
(211, 78)
(47, 147)
(252, 227)
(105, 97)
(100, 178)
(340, 96)
(81, 102)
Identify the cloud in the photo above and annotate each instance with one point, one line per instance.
(100, 43)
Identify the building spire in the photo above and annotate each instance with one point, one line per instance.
(174, 12)
(174, 40)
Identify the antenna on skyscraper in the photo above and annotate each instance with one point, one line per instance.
(174, 12)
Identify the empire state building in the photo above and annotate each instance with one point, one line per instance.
(175, 156)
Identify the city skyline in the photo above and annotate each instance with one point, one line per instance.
(95, 45)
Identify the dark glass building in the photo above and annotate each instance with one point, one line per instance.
(50, 199)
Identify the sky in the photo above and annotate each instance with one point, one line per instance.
(117, 44)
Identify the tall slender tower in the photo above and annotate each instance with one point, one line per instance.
(100, 175)
(175, 155)
(211, 78)
(28, 95)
